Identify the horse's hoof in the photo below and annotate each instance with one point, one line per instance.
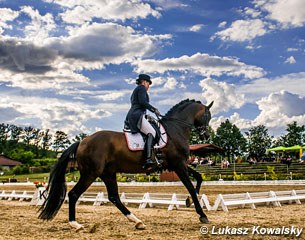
(188, 201)
(204, 220)
(76, 225)
(140, 226)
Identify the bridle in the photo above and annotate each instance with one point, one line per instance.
(202, 129)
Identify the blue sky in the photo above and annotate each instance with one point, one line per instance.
(72, 65)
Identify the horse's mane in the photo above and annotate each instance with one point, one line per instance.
(180, 106)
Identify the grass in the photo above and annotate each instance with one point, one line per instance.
(39, 177)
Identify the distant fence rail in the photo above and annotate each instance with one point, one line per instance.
(172, 201)
(178, 183)
(252, 199)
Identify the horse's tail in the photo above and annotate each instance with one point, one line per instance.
(57, 187)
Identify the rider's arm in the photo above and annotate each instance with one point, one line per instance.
(143, 99)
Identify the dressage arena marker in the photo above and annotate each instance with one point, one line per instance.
(243, 199)
(171, 200)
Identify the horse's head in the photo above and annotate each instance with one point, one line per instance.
(190, 112)
(202, 120)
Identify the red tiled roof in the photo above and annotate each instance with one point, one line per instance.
(6, 161)
(205, 148)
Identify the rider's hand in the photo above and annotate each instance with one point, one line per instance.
(157, 112)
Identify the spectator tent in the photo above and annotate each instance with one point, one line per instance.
(296, 148)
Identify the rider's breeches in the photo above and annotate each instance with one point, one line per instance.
(146, 127)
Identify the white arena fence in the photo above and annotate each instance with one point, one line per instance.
(171, 201)
(256, 198)
(178, 183)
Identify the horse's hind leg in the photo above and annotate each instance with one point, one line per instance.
(80, 187)
(113, 195)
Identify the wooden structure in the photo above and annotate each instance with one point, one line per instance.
(8, 163)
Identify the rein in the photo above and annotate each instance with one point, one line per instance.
(175, 119)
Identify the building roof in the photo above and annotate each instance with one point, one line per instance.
(205, 148)
(6, 161)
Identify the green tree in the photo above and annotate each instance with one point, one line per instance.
(22, 155)
(45, 141)
(195, 137)
(258, 140)
(229, 137)
(61, 141)
(4, 130)
(30, 135)
(294, 136)
(79, 137)
(14, 133)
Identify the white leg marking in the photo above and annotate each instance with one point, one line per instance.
(139, 223)
(76, 225)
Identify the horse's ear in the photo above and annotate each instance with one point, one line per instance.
(210, 105)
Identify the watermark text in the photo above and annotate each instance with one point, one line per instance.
(253, 230)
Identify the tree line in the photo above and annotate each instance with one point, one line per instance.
(253, 142)
(27, 143)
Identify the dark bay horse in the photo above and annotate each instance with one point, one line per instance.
(105, 153)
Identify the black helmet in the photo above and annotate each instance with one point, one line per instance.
(143, 77)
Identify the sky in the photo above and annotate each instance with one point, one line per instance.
(71, 65)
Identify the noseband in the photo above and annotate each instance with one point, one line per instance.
(204, 127)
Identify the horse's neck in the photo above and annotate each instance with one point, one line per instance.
(181, 123)
(187, 115)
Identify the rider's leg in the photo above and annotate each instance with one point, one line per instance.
(150, 133)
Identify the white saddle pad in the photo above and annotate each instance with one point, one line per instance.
(135, 142)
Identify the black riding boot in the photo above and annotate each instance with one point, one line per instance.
(148, 148)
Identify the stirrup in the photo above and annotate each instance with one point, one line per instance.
(148, 164)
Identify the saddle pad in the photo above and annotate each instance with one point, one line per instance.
(135, 142)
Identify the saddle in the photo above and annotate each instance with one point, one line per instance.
(136, 141)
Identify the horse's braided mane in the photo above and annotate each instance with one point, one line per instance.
(180, 106)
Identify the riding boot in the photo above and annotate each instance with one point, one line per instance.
(148, 148)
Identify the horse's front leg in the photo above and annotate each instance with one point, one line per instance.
(198, 177)
(184, 177)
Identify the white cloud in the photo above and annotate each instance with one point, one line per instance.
(256, 89)
(252, 12)
(169, 4)
(92, 46)
(292, 49)
(223, 94)
(27, 65)
(51, 113)
(7, 15)
(222, 24)
(39, 29)
(110, 96)
(288, 13)
(280, 109)
(196, 28)
(81, 11)
(234, 119)
(171, 83)
(242, 30)
(200, 63)
(276, 111)
(290, 60)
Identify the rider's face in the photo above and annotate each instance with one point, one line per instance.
(146, 84)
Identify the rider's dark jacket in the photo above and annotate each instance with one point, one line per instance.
(139, 104)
